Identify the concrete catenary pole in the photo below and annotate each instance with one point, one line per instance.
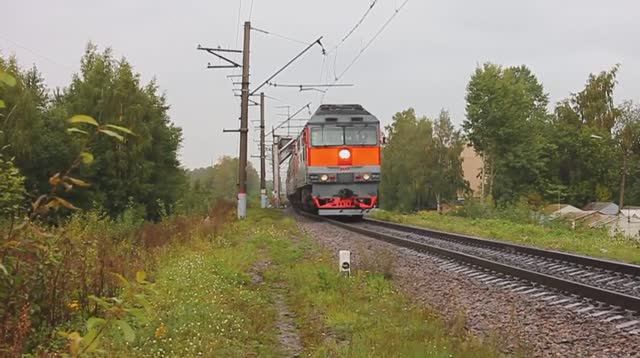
(263, 170)
(244, 127)
(276, 170)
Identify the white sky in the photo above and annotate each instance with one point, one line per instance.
(422, 60)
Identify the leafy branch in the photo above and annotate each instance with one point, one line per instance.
(63, 179)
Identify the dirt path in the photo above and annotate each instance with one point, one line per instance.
(288, 334)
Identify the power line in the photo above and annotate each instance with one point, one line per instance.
(278, 35)
(373, 3)
(35, 53)
(366, 46)
(238, 23)
(395, 13)
(250, 10)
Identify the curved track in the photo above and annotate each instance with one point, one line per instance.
(602, 281)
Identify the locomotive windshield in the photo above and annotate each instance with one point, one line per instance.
(332, 136)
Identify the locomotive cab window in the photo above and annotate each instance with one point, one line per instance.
(360, 136)
(326, 136)
(351, 135)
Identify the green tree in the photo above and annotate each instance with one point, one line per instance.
(207, 185)
(594, 105)
(448, 180)
(144, 167)
(506, 117)
(627, 136)
(421, 163)
(587, 160)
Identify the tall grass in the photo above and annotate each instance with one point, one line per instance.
(50, 273)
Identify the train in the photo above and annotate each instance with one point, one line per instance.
(334, 168)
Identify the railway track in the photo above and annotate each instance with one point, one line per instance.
(606, 290)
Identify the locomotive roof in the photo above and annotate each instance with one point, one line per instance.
(341, 113)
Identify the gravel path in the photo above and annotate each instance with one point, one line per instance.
(517, 323)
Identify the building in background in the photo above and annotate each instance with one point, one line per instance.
(472, 166)
(603, 207)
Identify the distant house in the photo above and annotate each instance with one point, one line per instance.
(472, 166)
(555, 210)
(631, 211)
(603, 207)
(599, 215)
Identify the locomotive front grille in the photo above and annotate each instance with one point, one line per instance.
(344, 178)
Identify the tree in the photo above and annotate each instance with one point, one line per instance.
(585, 161)
(594, 105)
(506, 116)
(220, 181)
(421, 163)
(143, 169)
(448, 146)
(627, 136)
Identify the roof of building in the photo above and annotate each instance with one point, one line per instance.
(553, 208)
(577, 215)
(599, 205)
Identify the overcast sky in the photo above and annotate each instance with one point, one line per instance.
(423, 59)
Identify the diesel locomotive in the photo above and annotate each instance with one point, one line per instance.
(334, 168)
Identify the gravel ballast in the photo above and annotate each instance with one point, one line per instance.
(516, 322)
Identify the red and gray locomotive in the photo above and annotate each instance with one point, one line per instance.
(335, 165)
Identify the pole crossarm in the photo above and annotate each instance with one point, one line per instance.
(288, 119)
(214, 51)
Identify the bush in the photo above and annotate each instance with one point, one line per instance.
(519, 212)
(48, 275)
(12, 193)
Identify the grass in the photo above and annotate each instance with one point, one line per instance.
(584, 241)
(206, 303)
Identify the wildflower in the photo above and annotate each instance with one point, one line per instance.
(73, 305)
(161, 331)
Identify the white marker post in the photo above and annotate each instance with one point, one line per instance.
(242, 205)
(344, 262)
(263, 198)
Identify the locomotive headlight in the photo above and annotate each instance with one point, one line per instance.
(324, 177)
(344, 154)
(366, 176)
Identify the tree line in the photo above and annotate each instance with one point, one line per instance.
(143, 171)
(587, 148)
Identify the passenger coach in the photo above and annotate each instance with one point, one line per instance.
(335, 165)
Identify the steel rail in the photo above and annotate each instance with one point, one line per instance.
(599, 294)
(615, 266)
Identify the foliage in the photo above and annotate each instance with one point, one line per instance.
(211, 184)
(421, 163)
(586, 163)
(594, 105)
(117, 311)
(504, 225)
(627, 137)
(27, 249)
(12, 192)
(11, 181)
(506, 109)
(143, 168)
